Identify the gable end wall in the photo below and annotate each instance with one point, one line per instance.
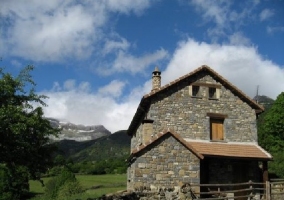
(177, 110)
(164, 163)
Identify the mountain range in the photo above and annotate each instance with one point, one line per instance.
(75, 132)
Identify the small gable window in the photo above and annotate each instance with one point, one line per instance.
(212, 93)
(195, 91)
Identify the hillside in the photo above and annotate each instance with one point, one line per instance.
(116, 145)
(265, 101)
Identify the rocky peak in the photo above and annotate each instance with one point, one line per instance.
(70, 131)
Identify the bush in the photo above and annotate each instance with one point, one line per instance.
(69, 189)
(62, 186)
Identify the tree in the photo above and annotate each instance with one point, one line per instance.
(24, 132)
(271, 134)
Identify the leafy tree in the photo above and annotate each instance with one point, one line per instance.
(271, 134)
(24, 144)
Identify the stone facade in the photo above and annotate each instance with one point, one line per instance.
(166, 163)
(187, 115)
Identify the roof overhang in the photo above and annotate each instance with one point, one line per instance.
(230, 150)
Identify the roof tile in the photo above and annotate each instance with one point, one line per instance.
(245, 150)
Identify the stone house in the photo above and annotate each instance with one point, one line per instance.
(197, 129)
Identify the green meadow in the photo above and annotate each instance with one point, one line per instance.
(94, 185)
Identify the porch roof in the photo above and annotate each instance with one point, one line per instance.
(230, 149)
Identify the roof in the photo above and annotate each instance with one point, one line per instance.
(146, 99)
(159, 136)
(230, 149)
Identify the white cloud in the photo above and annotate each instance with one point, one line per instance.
(54, 30)
(114, 45)
(272, 30)
(211, 10)
(16, 63)
(125, 62)
(239, 39)
(241, 65)
(82, 107)
(125, 6)
(266, 14)
(225, 17)
(69, 84)
(113, 89)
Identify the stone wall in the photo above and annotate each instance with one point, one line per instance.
(165, 163)
(186, 115)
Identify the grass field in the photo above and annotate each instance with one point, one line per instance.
(94, 185)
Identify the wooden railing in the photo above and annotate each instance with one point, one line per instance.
(273, 190)
(276, 189)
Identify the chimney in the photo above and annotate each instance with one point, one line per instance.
(156, 79)
(147, 130)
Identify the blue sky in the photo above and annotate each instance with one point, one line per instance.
(94, 59)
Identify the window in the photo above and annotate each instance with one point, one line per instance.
(195, 90)
(212, 93)
(216, 129)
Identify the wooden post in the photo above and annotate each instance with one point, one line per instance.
(265, 180)
(251, 189)
(265, 171)
(267, 188)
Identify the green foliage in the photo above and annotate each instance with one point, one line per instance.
(13, 183)
(69, 189)
(24, 144)
(63, 186)
(4, 184)
(271, 134)
(109, 166)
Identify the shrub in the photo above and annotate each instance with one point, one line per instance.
(62, 186)
(69, 189)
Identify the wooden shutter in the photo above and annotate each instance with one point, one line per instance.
(217, 129)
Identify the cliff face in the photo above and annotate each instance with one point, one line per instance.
(75, 132)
